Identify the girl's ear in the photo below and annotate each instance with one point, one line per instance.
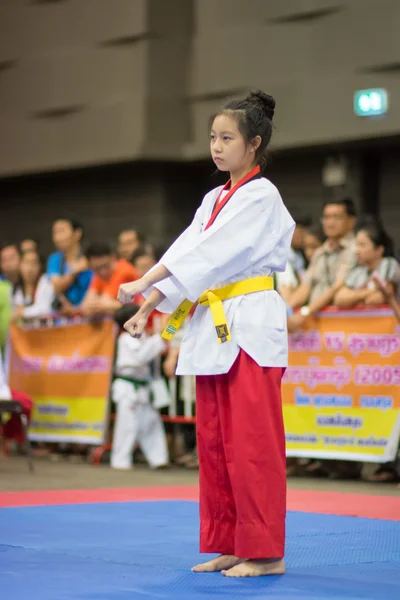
(256, 142)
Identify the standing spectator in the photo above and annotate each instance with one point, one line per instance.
(129, 240)
(28, 244)
(388, 294)
(33, 294)
(68, 267)
(331, 263)
(326, 274)
(297, 257)
(9, 263)
(109, 274)
(374, 251)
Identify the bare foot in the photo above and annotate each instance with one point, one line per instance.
(224, 561)
(257, 568)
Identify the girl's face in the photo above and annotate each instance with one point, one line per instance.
(30, 267)
(367, 253)
(228, 148)
(64, 236)
(311, 244)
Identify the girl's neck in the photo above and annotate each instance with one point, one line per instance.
(238, 175)
(73, 253)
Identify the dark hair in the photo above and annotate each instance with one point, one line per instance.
(98, 250)
(253, 116)
(141, 251)
(301, 219)
(141, 238)
(317, 232)
(20, 284)
(10, 245)
(75, 224)
(347, 203)
(123, 314)
(376, 232)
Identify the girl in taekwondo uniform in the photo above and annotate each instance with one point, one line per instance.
(236, 343)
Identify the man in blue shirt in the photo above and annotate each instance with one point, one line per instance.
(68, 268)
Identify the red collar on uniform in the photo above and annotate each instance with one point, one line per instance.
(218, 206)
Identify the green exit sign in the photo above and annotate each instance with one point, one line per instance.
(370, 103)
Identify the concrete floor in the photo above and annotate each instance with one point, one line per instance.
(64, 475)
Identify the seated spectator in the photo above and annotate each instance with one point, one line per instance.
(331, 263)
(129, 240)
(33, 294)
(28, 244)
(68, 267)
(374, 251)
(109, 274)
(314, 237)
(9, 263)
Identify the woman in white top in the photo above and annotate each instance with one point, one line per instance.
(374, 250)
(33, 294)
(236, 343)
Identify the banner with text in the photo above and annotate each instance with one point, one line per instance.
(341, 392)
(67, 370)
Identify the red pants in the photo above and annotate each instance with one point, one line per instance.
(241, 446)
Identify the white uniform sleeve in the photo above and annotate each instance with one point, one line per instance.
(138, 352)
(43, 299)
(258, 228)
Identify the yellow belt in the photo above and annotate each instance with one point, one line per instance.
(213, 299)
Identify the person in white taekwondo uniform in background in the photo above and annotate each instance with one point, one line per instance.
(137, 421)
(236, 343)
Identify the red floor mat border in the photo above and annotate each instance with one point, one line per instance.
(332, 503)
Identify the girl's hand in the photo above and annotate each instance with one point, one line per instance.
(127, 291)
(136, 325)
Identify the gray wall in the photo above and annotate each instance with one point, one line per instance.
(88, 82)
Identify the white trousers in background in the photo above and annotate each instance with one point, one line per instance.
(137, 422)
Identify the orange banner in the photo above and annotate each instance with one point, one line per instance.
(341, 391)
(67, 371)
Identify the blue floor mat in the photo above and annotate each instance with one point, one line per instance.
(130, 551)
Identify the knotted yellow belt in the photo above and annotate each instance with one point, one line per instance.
(214, 299)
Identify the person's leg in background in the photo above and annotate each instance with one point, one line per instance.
(152, 438)
(125, 433)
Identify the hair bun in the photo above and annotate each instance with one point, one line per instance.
(266, 101)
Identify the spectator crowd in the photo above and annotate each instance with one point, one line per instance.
(339, 261)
